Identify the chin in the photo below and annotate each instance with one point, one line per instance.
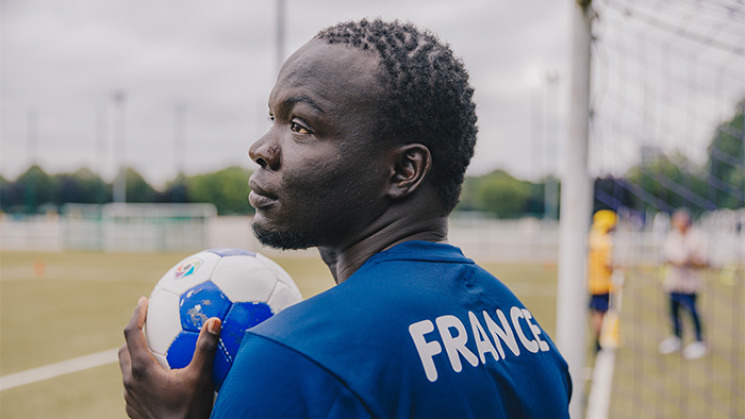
(287, 240)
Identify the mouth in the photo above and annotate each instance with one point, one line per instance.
(260, 198)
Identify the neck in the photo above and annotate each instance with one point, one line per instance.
(343, 261)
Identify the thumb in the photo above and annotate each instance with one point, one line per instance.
(204, 354)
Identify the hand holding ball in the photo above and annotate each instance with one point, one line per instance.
(239, 287)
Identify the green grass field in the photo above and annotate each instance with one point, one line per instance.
(649, 385)
(58, 306)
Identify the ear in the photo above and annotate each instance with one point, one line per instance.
(411, 165)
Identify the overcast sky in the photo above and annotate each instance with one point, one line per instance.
(62, 62)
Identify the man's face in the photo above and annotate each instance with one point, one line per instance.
(321, 178)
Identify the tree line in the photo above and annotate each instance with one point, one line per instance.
(659, 183)
(36, 191)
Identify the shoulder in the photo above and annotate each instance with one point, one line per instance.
(410, 276)
(599, 241)
(270, 380)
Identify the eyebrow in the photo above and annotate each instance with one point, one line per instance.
(302, 99)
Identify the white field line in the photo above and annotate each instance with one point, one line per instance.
(598, 403)
(60, 368)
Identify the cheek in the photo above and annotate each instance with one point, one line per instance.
(305, 173)
(332, 180)
(309, 189)
(330, 189)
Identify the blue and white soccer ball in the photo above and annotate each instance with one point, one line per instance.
(241, 288)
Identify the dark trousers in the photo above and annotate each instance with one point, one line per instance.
(687, 301)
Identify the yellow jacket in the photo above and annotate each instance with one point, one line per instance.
(600, 259)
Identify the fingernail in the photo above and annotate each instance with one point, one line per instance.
(213, 327)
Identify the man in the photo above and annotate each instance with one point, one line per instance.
(373, 127)
(600, 269)
(684, 251)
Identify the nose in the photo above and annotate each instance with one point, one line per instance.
(265, 152)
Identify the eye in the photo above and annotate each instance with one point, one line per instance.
(299, 128)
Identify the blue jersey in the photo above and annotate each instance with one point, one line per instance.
(419, 331)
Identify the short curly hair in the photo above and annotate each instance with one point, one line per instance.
(430, 100)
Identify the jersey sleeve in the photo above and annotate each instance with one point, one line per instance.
(270, 380)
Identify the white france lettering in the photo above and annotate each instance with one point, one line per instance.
(426, 350)
(503, 334)
(483, 344)
(516, 314)
(455, 344)
(535, 330)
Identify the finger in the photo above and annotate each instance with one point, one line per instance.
(204, 353)
(133, 409)
(125, 362)
(133, 332)
(137, 321)
(141, 360)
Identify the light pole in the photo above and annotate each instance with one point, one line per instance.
(280, 35)
(179, 152)
(120, 184)
(551, 192)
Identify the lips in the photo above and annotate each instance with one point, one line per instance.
(259, 197)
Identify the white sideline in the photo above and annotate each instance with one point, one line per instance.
(598, 403)
(60, 368)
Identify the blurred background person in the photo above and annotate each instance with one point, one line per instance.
(600, 269)
(684, 251)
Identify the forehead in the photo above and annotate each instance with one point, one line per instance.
(332, 76)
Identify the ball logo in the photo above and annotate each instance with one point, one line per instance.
(188, 268)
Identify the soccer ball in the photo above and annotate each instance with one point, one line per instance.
(242, 288)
